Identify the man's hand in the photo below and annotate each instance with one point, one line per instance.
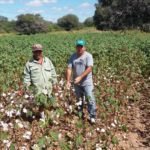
(68, 85)
(77, 80)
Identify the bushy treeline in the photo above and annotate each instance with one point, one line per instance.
(122, 14)
(34, 23)
(109, 14)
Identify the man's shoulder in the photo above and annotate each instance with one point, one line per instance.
(73, 56)
(46, 59)
(88, 54)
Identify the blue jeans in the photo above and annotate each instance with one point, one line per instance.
(86, 91)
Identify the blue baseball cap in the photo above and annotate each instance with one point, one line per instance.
(80, 43)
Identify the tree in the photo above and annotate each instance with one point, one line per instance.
(89, 22)
(121, 14)
(6, 26)
(2, 18)
(31, 24)
(68, 22)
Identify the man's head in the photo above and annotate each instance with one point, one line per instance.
(80, 47)
(37, 51)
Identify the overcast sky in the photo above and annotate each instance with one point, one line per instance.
(49, 9)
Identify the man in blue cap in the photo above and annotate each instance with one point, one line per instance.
(81, 63)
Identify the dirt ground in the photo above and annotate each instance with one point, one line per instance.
(138, 135)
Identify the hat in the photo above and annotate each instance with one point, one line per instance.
(37, 47)
(80, 43)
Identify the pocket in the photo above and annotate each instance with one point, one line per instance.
(47, 69)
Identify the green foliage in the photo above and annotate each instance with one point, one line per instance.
(89, 22)
(78, 140)
(12, 146)
(31, 24)
(122, 14)
(114, 140)
(3, 135)
(41, 142)
(64, 145)
(41, 100)
(68, 22)
(54, 135)
(124, 128)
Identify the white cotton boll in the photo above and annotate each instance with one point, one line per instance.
(2, 110)
(98, 147)
(20, 125)
(1, 105)
(5, 141)
(20, 105)
(5, 126)
(26, 96)
(11, 97)
(79, 103)
(117, 81)
(17, 120)
(56, 94)
(57, 116)
(70, 108)
(23, 148)
(59, 136)
(44, 91)
(10, 124)
(129, 107)
(9, 113)
(108, 128)
(113, 125)
(127, 97)
(35, 147)
(105, 78)
(9, 93)
(60, 91)
(12, 102)
(25, 110)
(89, 134)
(27, 135)
(3, 94)
(42, 119)
(55, 122)
(18, 113)
(115, 121)
(42, 115)
(61, 95)
(102, 130)
(61, 82)
(97, 129)
(8, 144)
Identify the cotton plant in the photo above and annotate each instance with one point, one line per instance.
(27, 135)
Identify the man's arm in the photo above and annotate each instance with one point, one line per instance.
(85, 73)
(53, 73)
(68, 77)
(27, 78)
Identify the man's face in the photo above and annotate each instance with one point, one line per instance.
(37, 55)
(80, 49)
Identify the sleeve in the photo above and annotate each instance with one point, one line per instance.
(53, 73)
(70, 64)
(89, 60)
(27, 78)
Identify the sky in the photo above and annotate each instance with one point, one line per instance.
(50, 10)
